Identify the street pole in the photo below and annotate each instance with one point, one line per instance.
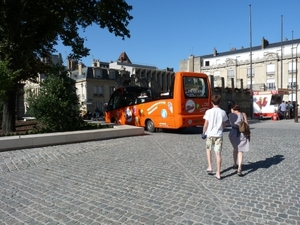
(292, 83)
(296, 104)
(251, 89)
(281, 66)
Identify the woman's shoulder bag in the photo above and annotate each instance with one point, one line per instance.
(244, 127)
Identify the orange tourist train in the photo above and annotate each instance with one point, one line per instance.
(182, 106)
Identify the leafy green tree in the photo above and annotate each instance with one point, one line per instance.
(30, 30)
(56, 104)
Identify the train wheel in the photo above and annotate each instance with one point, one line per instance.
(150, 126)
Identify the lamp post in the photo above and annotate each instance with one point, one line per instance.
(251, 90)
(296, 105)
(292, 66)
(236, 68)
(281, 56)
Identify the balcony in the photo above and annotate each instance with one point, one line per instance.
(293, 86)
(248, 75)
(271, 73)
(271, 88)
(292, 71)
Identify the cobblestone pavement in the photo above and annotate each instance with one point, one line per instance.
(156, 178)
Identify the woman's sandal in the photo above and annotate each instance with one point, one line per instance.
(239, 173)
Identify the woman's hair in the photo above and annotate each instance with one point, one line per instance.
(236, 107)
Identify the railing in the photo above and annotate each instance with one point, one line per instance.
(270, 88)
(293, 86)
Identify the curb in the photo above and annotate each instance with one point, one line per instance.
(59, 138)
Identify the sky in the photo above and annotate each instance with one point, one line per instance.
(164, 32)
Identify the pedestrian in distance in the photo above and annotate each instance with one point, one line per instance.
(283, 109)
(215, 123)
(239, 141)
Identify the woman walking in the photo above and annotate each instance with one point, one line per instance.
(239, 141)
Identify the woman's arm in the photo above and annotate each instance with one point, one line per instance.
(245, 118)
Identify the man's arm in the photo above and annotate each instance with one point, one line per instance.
(205, 127)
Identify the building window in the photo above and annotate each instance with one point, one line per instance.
(292, 83)
(100, 90)
(292, 67)
(206, 63)
(230, 73)
(217, 75)
(271, 84)
(249, 72)
(217, 79)
(249, 84)
(112, 75)
(98, 73)
(270, 69)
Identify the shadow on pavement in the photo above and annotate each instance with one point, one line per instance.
(253, 166)
(268, 162)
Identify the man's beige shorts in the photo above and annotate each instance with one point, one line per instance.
(214, 142)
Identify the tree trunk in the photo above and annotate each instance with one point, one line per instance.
(9, 111)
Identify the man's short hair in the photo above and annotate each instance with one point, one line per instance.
(216, 99)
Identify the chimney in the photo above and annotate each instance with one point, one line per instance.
(69, 63)
(80, 68)
(215, 52)
(72, 63)
(264, 43)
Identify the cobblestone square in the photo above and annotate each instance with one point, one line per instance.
(157, 178)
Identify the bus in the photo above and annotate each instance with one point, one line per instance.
(182, 106)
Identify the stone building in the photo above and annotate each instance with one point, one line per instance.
(272, 66)
(96, 83)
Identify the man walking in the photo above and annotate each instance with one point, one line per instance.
(215, 123)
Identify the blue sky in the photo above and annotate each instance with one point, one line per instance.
(163, 32)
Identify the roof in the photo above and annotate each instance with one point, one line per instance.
(124, 58)
(255, 48)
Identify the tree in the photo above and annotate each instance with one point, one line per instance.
(56, 104)
(30, 30)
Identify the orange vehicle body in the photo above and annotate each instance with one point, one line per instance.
(183, 106)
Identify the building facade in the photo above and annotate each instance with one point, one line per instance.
(272, 66)
(93, 83)
(96, 83)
